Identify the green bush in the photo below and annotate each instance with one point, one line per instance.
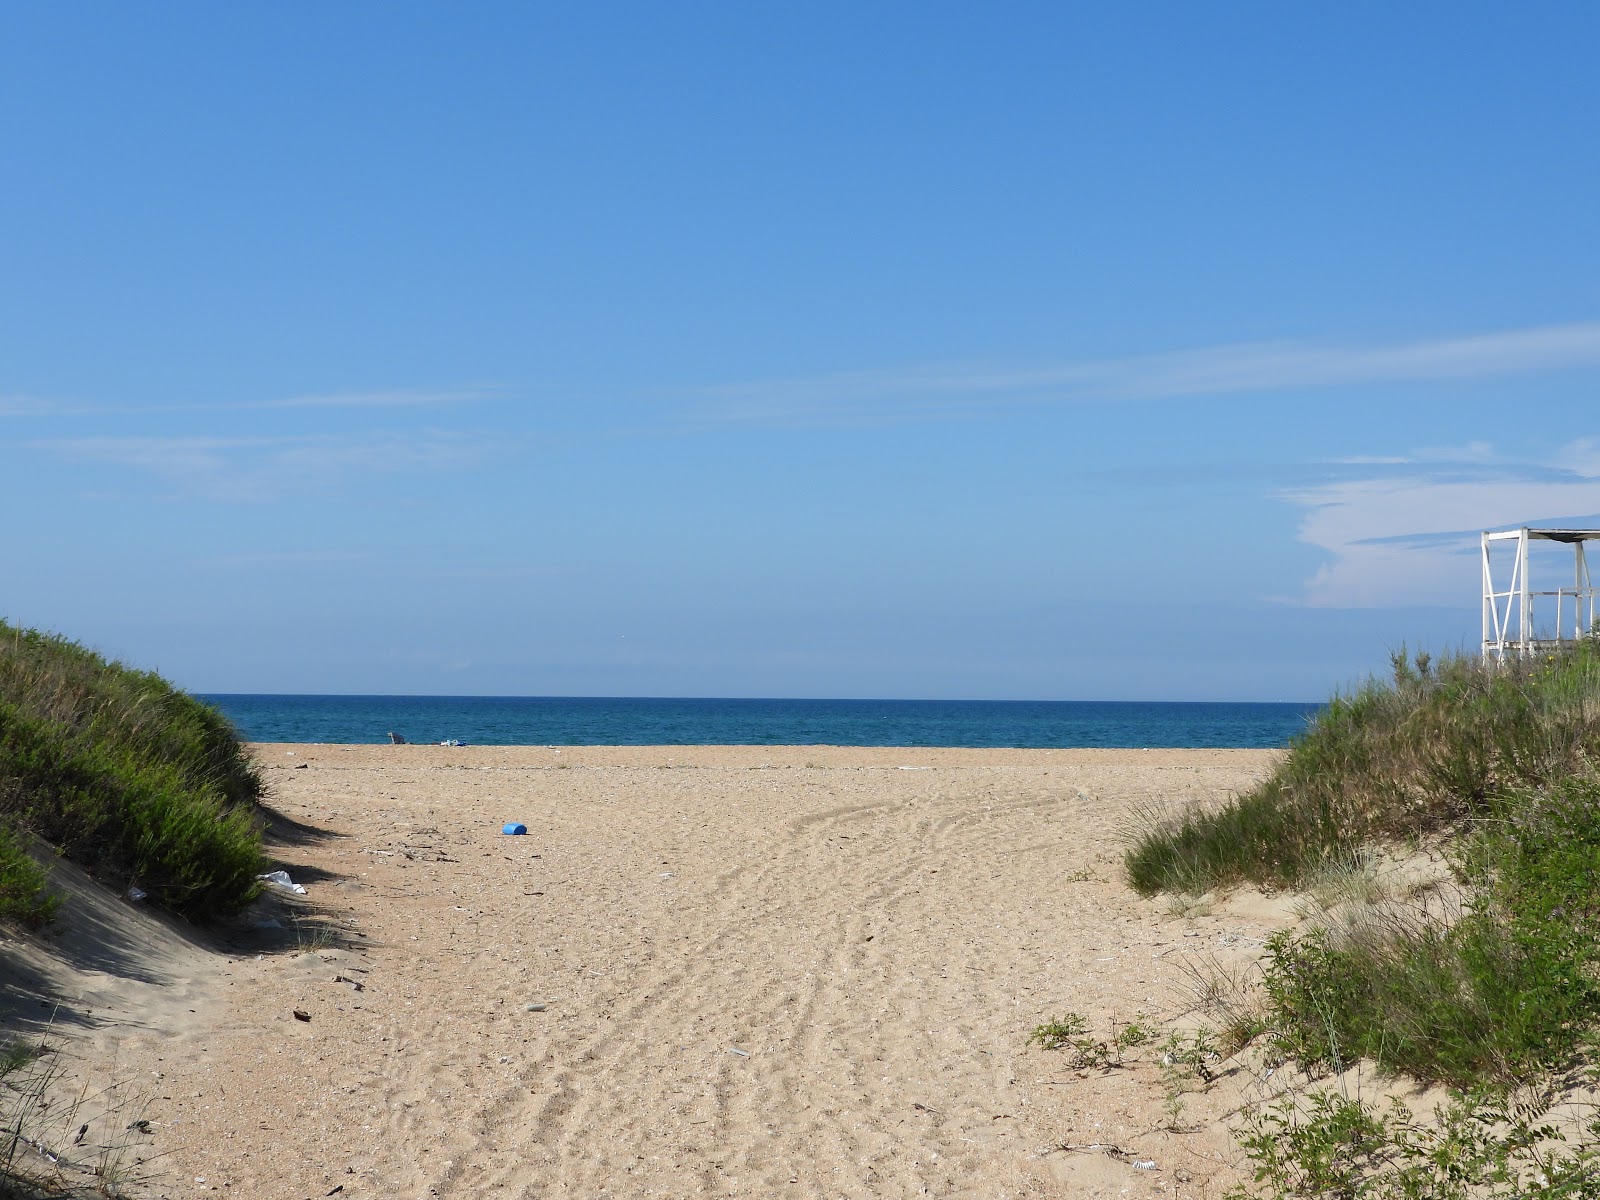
(1488, 995)
(1479, 1146)
(1510, 987)
(23, 894)
(1427, 752)
(140, 783)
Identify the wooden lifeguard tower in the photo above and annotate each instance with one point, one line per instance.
(1521, 620)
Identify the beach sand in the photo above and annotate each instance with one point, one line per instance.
(705, 971)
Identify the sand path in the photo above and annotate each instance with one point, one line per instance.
(793, 972)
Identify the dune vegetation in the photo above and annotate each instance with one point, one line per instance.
(1487, 982)
(115, 769)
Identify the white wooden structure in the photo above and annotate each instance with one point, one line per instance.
(1521, 620)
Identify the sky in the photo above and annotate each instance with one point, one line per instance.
(1008, 351)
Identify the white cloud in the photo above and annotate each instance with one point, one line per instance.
(1581, 456)
(932, 392)
(170, 456)
(1413, 540)
(441, 398)
(253, 469)
(33, 406)
(1469, 452)
(26, 406)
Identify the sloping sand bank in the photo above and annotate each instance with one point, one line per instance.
(758, 971)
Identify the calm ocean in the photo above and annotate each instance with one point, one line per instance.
(585, 721)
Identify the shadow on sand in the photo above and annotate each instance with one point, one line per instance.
(101, 934)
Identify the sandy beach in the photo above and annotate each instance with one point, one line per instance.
(704, 971)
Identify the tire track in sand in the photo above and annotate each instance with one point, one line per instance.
(874, 1020)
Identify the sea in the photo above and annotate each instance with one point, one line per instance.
(603, 721)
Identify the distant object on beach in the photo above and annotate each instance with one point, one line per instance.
(395, 739)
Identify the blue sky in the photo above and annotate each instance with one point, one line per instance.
(1007, 351)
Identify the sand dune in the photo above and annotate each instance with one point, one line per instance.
(784, 971)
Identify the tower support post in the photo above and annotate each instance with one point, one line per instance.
(1520, 619)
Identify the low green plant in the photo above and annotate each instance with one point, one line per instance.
(1132, 1035)
(1190, 1053)
(1053, 1035)
(1088, 1052)
(24, 893)
(1479, 1146)
(1185, 1066)
(1173, 1104)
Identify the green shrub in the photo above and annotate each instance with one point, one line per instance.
(135, 780)
(1508, 988)
(23, 894)
(1504, 763)
(1479, 1146)
(1427, 752)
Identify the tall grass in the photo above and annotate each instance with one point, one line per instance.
(1500, 761)
(1424, 753)
(139, 782)
(1493, 992)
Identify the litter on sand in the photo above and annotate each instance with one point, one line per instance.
(281, 879)
(513, 828)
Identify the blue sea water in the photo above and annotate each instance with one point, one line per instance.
(597, 721)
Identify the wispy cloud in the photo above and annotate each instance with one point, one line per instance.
(1411, 538)
(438, 398)
(37, 406)
(26, 406)
(929, 393)
(251, 469)
(284, 558)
